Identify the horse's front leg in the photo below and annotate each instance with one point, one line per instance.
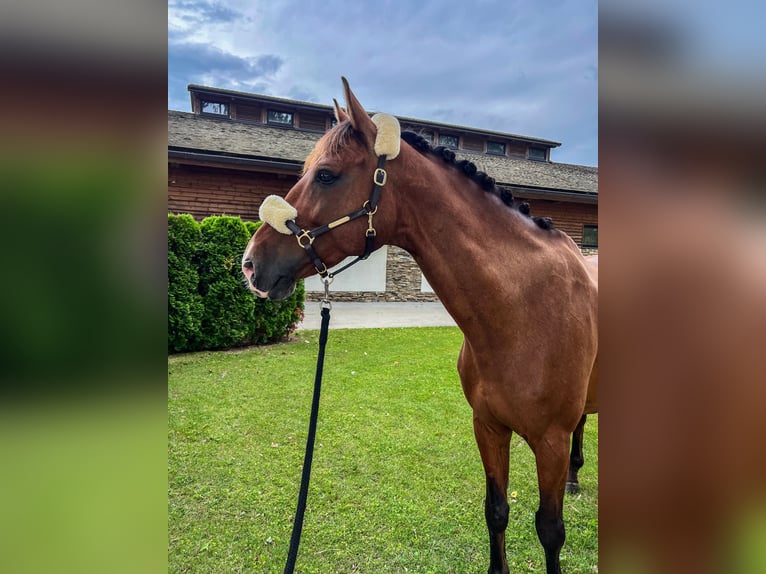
(494, 447)
(576, 459)
(552, 459)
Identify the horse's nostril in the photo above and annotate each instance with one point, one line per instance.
(247, 264)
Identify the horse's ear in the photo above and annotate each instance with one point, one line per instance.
(357, 116)
(340, 115)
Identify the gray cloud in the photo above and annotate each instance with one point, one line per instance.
(202, 63)
(199, 12)
(302, 94)
(513, 66)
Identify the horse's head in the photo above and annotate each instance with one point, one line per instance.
(337, 181)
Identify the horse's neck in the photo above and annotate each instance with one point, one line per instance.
(467, 243)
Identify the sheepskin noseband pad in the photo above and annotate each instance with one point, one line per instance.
(389, 135)
(276, 211)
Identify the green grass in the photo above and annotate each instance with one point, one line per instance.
(397, 483)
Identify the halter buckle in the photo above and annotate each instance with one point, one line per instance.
(379, 177)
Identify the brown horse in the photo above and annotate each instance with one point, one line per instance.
(520, 291)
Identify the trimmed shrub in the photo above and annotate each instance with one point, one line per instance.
(209, 306)
(185, 307)
(228, 317)
(252, 227)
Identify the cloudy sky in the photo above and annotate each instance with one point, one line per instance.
(515, 66)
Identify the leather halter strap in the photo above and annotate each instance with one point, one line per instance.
(306, 238)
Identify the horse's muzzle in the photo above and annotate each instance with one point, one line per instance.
(247, 271)
(265, 285)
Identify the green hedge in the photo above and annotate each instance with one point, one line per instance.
(209, 306)
(185, 308)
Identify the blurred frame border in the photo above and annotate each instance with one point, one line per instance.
(682, 217)
(83, 298)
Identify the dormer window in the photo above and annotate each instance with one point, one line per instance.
(279, 118)
(496, 148)
(215, 108)
(448, 141)
(537, 153)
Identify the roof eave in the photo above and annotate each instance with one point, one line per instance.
(574, 196)
(189, 155)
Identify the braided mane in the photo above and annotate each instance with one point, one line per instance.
(486, 182)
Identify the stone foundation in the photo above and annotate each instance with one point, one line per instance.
(402, 283)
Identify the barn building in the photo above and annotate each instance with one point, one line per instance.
(236, 148)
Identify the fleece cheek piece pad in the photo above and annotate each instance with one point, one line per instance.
(276, 211)
(389, 135)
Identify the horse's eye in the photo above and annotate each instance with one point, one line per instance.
(326, 177)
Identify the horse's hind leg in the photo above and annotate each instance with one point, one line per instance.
(576, 459)
(494, 447)
(552, 457)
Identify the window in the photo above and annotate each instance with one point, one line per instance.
(333, 122)
(281, 118)
(537, 153)
(590, 235)
(448, 141)
(428, 136)
(215, 108)
(496, 148)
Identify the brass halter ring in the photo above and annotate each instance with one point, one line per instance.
(305, 235)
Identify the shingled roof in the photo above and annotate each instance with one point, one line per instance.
(224, 138)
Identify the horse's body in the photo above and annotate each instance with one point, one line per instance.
(522, 294)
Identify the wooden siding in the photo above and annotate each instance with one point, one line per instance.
(313, 121)
(473, 143)
(201, 191)
(246, 112)
(516, 149)
(568, 217)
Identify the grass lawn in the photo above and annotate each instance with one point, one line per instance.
(397, 483)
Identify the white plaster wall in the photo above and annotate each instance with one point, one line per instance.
(369, 275)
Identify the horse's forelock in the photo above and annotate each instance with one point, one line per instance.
(333, 142)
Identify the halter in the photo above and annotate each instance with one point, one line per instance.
(281, 215)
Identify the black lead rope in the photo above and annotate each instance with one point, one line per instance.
(305, 240)
(295, 539)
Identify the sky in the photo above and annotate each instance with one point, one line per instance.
(521, 67)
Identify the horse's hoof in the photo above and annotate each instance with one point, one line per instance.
(573, 487)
